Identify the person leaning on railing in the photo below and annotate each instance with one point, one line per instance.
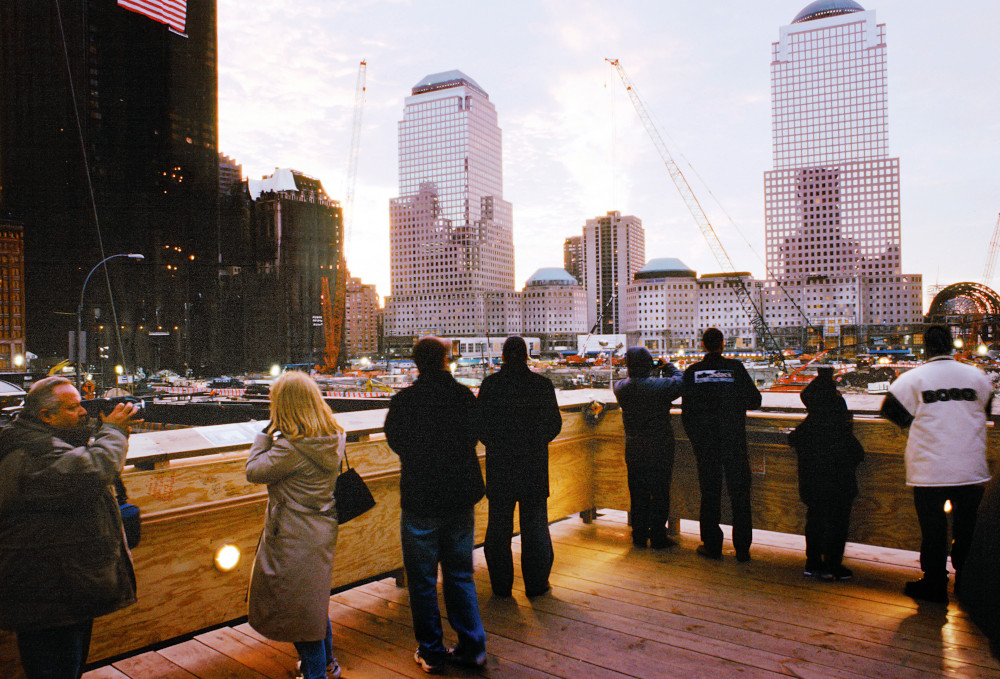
(298, 457)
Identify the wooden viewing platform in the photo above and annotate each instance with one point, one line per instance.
(616, 612)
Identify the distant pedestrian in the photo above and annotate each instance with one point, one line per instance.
(518, 417)
(945, 405)
(298, 457)
(828, 455)
(715, 395)
(431, 426)
(649, 444)
(63, 557)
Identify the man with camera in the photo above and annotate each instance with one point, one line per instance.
(63, 558)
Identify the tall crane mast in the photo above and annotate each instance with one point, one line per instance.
(334, 305)
(352, 158)
(991, 255)
(751, 308)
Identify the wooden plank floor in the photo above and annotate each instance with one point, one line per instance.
(616, 612)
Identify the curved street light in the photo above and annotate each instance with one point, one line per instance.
(79, 309)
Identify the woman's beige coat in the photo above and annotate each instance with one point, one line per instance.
(290, 583)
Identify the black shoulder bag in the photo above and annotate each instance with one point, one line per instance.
(351, 494)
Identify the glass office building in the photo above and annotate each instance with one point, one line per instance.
(452, 251)
(832, 210)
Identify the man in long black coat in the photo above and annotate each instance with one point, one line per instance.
(518, 417)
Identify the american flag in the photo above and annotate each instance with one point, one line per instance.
(173, 13)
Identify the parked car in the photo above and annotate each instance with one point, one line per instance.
(257, 389)
(10, 394)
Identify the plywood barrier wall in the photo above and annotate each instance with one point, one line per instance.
(197, 499)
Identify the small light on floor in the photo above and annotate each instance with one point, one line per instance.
(227, 557)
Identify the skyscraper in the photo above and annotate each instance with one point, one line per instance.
(142, 102)
(573, 257)
(451, 241)
(832, 212)
(282, 245)
(614, 249)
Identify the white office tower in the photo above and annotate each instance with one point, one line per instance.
(832, 214)
(452, 251)
(614, 249)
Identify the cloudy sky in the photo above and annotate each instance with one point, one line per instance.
(573, 146)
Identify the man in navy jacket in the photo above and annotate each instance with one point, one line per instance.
(716, 394)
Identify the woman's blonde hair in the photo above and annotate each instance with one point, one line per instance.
(298, 409)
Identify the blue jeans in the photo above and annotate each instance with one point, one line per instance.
(428, 541)
(55, 653)
(316, 655)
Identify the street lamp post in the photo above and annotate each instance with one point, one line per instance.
(79, 309)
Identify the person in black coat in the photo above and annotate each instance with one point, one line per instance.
(649, 444)
(979, 591)
(431, 426)
(716, 393)
(828, 455)
(518, 417)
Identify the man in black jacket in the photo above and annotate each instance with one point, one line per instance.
(431, 426)
(63, 559)
(716, 392)
(518, 416)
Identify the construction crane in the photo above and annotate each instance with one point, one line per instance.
(352, 158)
(991, 255)
(334, 309)
(752, 309)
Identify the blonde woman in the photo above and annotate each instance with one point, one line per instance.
(298, 457)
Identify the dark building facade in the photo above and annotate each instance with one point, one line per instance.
(282, 236)
(138, 174)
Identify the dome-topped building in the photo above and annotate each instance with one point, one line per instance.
(821, 9)
(554, 308)
(665, 267)
(661, 306)
(550, 276)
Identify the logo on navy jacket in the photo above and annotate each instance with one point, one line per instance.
(709, 376)
(953, 394)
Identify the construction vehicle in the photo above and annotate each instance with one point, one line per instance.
(581, 356)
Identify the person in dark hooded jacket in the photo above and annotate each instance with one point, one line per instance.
(649, 444)
(828, 455)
